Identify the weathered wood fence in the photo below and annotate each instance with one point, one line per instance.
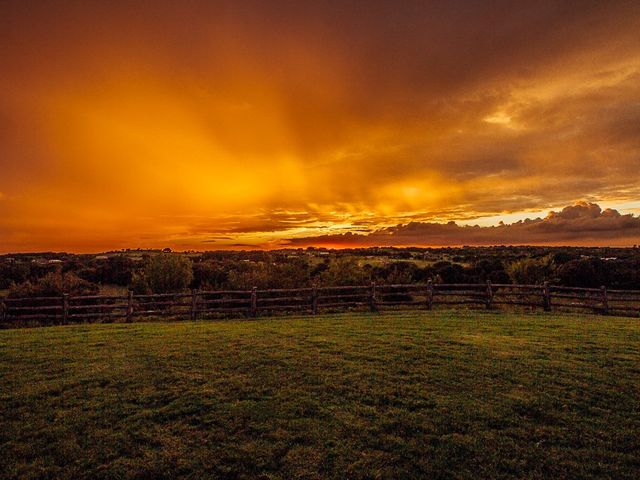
(250, 303)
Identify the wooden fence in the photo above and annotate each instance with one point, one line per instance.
(250, 303)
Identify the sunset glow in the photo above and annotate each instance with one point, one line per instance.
(206, 125)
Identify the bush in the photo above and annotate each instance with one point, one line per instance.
(344, 271)
(54, 284)
(583, 272)
(450, 272)
(11, 273)
(210, 275)
(167, 273)
(139, 284)
(265, 275)
(531, 271)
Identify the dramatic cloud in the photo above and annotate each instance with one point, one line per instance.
(165, 123)
(581, 224)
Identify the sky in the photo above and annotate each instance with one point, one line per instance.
(222, 124)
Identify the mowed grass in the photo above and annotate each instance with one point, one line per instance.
(400, 395)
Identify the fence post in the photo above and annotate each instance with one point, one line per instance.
(429, 294)
(194, 301)
(489, 295)
(99, 306)
(372, 297)
(130, 306)
(65, 308)
(547, 297)
(314, 300)
(605, 300)
(254, 301)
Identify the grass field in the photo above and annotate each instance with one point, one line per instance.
(400, 395)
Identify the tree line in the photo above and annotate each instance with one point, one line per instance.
(165, 272)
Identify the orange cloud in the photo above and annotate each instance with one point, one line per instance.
(167, 125)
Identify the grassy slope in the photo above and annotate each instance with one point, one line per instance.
(439, 395)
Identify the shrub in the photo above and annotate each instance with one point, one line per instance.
(210, 275)
(264, 275)
(531, 271)
(12, 273)
(52, 285)
(344, 271)
(583, 272)
(450, 272)
(139, 284)
(168, 273)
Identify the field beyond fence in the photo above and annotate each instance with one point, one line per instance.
(254, 302)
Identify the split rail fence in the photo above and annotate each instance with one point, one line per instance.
(251, 303)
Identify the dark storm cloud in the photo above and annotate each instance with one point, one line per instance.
(584, 223)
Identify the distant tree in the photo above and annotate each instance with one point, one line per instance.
(447, 272)
(295, 273)
(531, 271)
(499, 276)
(210, 275)
(13, 273)
(488, 269)
(320, 267)
(39, 270)
(583, 272)
(139, 284)
(54, 284)
(562, 256)
(245, 277)
(167, 273)
(395, 273)
(344, 271)
(117, 270)
(624, 273)
(292, 273)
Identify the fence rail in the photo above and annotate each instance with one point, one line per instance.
(254, 302)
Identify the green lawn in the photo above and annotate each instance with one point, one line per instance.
(398, 395)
